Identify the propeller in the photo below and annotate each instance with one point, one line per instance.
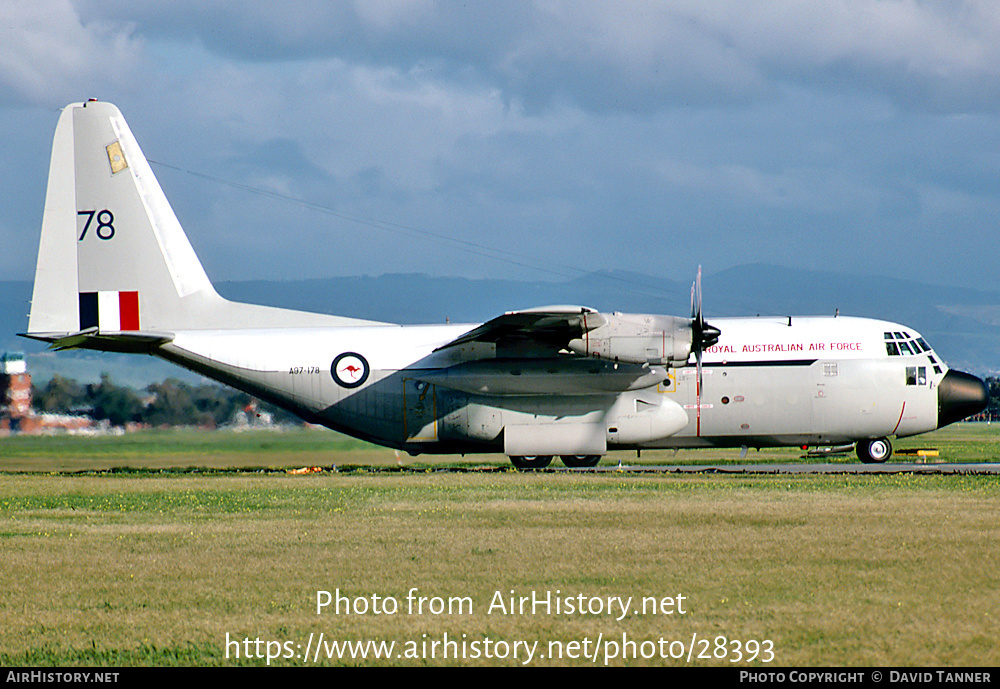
(703, 336)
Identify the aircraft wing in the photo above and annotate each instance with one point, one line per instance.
(548, 327)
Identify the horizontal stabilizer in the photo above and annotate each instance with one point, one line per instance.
(92, 338)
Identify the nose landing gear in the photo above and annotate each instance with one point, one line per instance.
(874, 451)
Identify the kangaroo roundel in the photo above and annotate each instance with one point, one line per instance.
(350, 370)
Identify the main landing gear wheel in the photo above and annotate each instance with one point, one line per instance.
(580, 461)
(531, 461)
(874, 451)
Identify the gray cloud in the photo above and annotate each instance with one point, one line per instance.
(48, 49)
(630, 56)
(638, 135)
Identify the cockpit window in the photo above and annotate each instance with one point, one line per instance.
(904, 344)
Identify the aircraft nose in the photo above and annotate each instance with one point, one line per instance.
(960, 395)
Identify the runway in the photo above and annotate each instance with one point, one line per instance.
(966, 468)
(744, 469)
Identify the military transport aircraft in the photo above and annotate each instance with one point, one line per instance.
(116, 273)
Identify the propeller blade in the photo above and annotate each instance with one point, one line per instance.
(703, 335)
(697, 394)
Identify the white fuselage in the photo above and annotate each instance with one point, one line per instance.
(767, 382)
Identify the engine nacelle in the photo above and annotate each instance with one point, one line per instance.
(638, 339)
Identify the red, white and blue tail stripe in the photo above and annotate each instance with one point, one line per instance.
(109, 311)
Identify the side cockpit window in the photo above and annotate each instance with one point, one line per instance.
(916, 375)
(934, 363)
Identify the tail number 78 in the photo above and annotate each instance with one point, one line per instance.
(105, 223)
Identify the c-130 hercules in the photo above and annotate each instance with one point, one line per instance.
(116, 272)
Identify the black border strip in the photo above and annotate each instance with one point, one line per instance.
(776, 362)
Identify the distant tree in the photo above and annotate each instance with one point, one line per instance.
(119, 405)
(176, 403)
(218, 402)
(170, 403)
(59, 396)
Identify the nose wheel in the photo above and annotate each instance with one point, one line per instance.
(874, 451)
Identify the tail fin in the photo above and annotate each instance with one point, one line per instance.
(113, 257)
(112, 253)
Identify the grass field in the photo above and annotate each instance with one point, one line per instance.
(148, 567)
(298, 447)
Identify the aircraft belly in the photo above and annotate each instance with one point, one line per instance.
(400, 410)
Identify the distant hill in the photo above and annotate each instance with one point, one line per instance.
(963, 325)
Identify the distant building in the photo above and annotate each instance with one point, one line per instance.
(16, 414)
(251, 417)
(15, 391)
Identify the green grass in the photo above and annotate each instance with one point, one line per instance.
(171, 448)
(300, 447)
(149, 568)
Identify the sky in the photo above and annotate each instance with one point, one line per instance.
(531, 139)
